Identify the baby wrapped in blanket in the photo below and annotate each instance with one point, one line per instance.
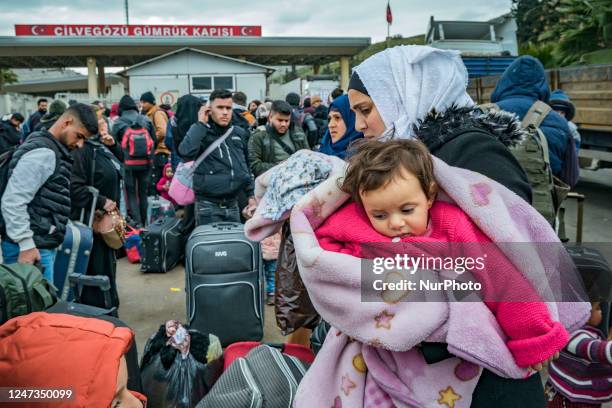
(371, 356)
(394, 190)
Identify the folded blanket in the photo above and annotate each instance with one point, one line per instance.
(369, 358)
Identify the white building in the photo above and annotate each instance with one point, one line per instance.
(495, 37)
(192, 71)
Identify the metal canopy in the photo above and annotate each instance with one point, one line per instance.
(54, 52)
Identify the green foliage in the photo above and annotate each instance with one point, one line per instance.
(543, 52)
(7, 77)
(534, 17)
(564, 32)
(586, 26)
(598, 57)
(391, 42)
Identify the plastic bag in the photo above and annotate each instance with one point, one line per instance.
(292, 304)
(186, 381)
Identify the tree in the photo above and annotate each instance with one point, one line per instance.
(534, 17)
(7, 77)
(586, 27)
(543, 52)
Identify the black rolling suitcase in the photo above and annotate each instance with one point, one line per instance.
(224, 283)
(162, 245)
(594, 270)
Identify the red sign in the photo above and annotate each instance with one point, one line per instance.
(113, 30)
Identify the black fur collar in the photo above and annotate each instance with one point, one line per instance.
(438, 128)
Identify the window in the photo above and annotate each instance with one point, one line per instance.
(224, 82)
(201, 83)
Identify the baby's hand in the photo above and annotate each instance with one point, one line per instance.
(540, 366)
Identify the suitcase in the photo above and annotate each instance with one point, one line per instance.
(224, 283)
(157, 208)
(237, 350)
(73, 255)
(594, 270)
(265, 378)
(162, 245)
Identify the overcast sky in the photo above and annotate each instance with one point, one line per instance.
(360, 18)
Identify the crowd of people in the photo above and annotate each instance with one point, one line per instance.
(414, 93)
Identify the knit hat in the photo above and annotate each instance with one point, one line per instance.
(126, 103)
(148, 97)
(560, 101)
(56, 109)
(293, 99)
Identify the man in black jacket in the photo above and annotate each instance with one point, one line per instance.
(34, 119)
(10, 132)
(224, 172)
(36, 200)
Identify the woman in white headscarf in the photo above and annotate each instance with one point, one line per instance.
(420, 92)
(416, 91)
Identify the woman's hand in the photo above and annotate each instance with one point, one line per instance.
(545, 363)
(110, 205)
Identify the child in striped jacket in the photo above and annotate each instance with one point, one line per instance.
(582, 376)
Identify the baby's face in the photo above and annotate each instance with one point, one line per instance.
(398, 209)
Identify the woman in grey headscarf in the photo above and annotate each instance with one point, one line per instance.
(420, 92)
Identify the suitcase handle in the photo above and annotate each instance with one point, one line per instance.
(225, 225)
(92, 212)
(79, 281)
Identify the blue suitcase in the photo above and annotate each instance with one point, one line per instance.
(73, 255)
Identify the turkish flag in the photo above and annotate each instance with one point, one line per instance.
(389, 14)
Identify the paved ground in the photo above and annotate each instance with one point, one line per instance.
(148, 300)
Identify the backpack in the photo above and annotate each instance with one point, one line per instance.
(138, 147)
(548, 192)
(23, 290)
(249, 117)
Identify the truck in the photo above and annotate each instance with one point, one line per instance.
(590, 89)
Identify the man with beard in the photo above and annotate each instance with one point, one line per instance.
(36, 199)
(10, 131)
(30, 125)
(219, 178)
(277, 141)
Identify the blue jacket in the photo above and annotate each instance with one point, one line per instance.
(520, 86)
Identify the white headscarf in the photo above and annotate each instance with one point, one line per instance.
(407, 82)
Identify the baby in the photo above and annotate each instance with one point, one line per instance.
(163, 185)
(393, 188)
